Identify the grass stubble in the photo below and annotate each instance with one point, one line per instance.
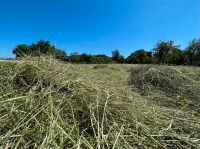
(49, 104)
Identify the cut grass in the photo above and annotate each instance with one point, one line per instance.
(49, 104)
(175, 86)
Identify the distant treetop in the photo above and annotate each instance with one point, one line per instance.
(165, 52)
(42, 47)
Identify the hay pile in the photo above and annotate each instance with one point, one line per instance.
(45, 103)
(48, 104)
(174, 85)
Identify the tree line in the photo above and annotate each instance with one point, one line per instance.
(164, 52)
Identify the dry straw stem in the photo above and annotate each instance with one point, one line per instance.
(45, 103)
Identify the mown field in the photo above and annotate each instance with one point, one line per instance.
(49, 104)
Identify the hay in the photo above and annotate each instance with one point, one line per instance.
(149, 78)
(48, 104)
(171, 82)
(100, 66)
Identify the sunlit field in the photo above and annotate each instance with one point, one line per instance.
(45, 103)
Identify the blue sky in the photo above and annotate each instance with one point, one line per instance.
(98, 26)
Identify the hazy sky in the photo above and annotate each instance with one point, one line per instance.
(98, 26)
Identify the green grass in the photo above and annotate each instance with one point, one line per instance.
(49, 104)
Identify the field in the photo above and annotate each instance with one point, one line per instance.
(49, 104)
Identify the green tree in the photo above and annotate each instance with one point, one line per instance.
(176, 56)
(61, 55)
(101, 59)
(162, 50)
(116, 56)
(42, 47)
(21, 50)
(85, 58)
(193, 52)
(140, 56)
(74, 57)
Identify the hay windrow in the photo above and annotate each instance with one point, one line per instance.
(48, 104)
(174, 84)
(161, 78)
